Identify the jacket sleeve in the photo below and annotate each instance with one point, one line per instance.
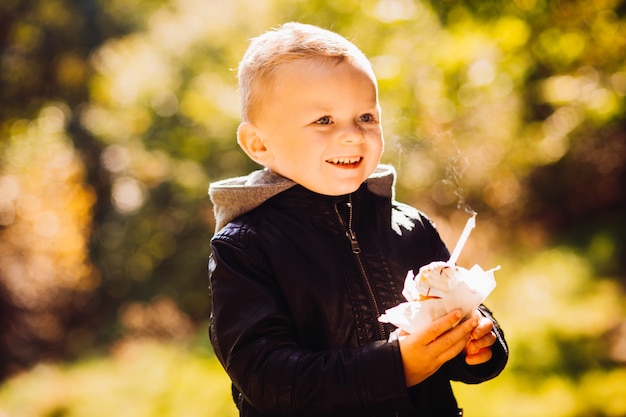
(458, 370)
(253, 336)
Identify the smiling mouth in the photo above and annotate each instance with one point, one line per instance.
(347, 161)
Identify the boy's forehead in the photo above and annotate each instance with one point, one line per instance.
(301, 78)
(307, 65)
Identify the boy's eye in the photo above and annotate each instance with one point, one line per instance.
(367, 118)
(324, 120)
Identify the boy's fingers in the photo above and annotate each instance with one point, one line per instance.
(457, 338)
(441, 325)
(484, 342)
(482, 356)
(485, 326)
(451, 345)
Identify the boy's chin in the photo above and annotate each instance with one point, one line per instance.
(337, 190)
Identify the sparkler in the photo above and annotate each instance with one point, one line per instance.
(471, 223)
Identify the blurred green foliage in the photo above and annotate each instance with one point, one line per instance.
(116, 115)
(139, 379)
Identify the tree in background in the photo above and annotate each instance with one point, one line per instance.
(46, 203)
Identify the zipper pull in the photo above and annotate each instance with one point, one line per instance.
(355, 244)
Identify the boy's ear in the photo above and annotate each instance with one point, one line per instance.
(249, 139)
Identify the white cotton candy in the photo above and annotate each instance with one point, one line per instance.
(455, 287)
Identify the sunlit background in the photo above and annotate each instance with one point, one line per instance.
(115, 115)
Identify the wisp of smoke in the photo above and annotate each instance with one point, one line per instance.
(455, 168)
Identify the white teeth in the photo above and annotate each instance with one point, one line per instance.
(344, 161)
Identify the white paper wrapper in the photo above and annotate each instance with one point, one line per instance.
(457, 287)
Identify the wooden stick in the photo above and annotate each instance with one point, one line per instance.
(471, 223)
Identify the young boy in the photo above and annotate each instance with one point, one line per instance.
(309, 251)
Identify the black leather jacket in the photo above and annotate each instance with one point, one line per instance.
(296, 300)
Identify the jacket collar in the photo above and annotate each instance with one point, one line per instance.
(236, 196)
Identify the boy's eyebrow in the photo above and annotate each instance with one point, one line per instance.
(372, 104)
(326, 111)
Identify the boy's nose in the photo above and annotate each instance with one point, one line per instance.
(352, 134)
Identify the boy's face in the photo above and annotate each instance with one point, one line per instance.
(321, 125)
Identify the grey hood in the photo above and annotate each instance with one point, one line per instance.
(235, 196)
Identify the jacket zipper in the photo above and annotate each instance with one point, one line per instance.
(356, 250)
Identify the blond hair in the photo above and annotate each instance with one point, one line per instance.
(288, 43)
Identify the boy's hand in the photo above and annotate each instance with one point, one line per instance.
(478, 349)
(423, 353)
